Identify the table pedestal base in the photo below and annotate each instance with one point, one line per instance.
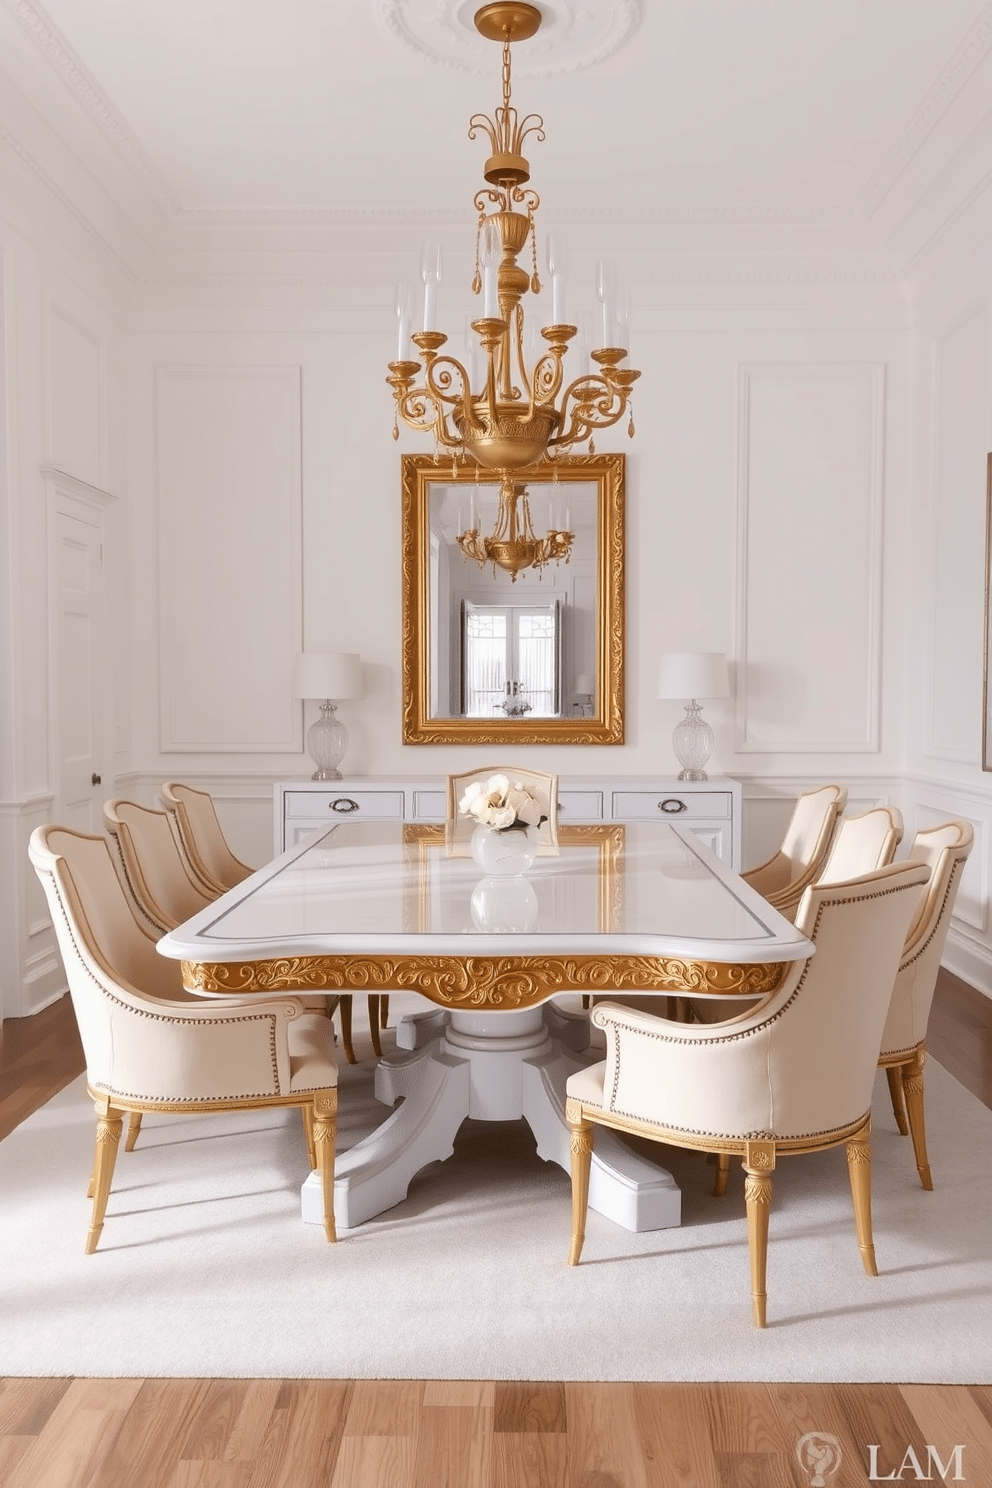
(490, 1067)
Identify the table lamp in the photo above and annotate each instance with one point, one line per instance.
(329, 675)
(691, 675)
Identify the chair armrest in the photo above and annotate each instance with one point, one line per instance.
(180, 1052)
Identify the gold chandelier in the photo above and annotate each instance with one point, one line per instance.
(513, 543)
(517, 416)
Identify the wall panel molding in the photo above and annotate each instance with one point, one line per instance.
(228, 456)
(809, 557)
(76, 405)
(954, 565)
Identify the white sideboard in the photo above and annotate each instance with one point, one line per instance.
(712, 808)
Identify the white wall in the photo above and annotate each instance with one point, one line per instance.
(952, 425)
(782, 493)
(59, 433)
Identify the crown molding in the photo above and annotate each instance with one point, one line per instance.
(939, 98)
(64, 62)
(65, 202)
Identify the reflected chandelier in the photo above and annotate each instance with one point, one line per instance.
(517, 416)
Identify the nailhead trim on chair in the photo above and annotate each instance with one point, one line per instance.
(160, 1018)
(135, 897)
(951, 877)
(737, 1036)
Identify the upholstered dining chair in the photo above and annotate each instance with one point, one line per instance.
(152, 866)
(201, 837)
(782, 879)
(862, 844)
(146, 1051)
(793, 1076)
(944, 850)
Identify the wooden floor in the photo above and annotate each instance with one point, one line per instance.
(153, 1433)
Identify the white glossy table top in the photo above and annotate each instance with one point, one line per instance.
(646, 889)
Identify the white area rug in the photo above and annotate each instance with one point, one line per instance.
(205, 1267)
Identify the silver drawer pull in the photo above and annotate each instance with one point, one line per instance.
(345, 805)
(671, 805)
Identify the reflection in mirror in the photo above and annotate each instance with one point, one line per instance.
(513, 611)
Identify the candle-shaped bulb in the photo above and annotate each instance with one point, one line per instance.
(491, 254)
(557, 266)
(430, 273)
(606, 289)
(623, 320)
(404, 320)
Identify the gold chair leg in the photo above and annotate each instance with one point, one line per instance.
(893, 1073)
(759, 1162)
(384, 1011)
(859, 1172)
(133, 1128)
(721, 1175)
(325, 1130)
(307, 1113)
(109, 1125)
(344, 1008)
(912, 1084)
(580, 1137)
(374, 1015)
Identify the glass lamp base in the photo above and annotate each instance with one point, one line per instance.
(693, 743)
(327, 740)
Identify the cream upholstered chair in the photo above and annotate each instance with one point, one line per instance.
(542, 786)
(152, 866)
(201, 838)
(793, 1076)
(944, 850)
(146, 1051)
(804, 848)
(164, 892)
(862, 844)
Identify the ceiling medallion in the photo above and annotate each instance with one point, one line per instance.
(573, 33)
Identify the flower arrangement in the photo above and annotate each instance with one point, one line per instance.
(501, 805)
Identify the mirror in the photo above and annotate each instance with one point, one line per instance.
(499, 650)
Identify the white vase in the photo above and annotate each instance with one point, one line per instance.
(504, 906)
(500, 853)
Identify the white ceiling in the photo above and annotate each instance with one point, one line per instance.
(189, 114)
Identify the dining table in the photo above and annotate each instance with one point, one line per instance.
(504, 968)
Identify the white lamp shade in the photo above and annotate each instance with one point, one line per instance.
(693, 674)
(585, 684)
(328, 674)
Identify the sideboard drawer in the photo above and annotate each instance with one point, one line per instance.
(341, 805)
(430, 805)
(673, 805)
(580, 806)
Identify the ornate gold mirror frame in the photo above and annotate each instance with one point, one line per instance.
(594, 486)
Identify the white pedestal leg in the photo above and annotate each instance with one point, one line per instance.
(492, 1067)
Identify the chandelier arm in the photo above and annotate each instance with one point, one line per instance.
(547, 378)
(595, 404)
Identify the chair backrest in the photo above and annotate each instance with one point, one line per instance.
(823, 1043)
(105, 951)
(944, 850)
(802, 1064)
(538, 783)
(862, 844)
(804, 847)
(152, 866)
(201, 836)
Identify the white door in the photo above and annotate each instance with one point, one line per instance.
(78, 666)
